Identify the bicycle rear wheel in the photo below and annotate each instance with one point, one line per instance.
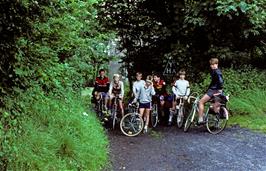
(217, 123)
(154, 115)
(190, 119)
(131, 124)
(180, 117)
(114, 112)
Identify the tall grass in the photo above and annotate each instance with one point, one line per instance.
(249, 109)
(56, 134)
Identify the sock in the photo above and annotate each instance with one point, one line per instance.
(200, 119)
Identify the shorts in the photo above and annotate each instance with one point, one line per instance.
(112, 96)
(145, 105)
(211, 92)
(104, 94)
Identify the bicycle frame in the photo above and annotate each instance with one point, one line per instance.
(214, 123)
(114, 110)
(99, 106)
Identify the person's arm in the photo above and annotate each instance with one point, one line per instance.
(110, 88)
(152, 91)
(220, 80)
(174, 89)
(108, 84)
(188, 90)
(122, 89)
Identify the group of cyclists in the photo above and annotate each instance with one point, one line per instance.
(153, 90)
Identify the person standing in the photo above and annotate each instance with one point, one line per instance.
(144, 96)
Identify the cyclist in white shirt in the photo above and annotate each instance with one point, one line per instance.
(116, 89)
(180, 88)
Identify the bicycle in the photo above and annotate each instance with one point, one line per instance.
(99, 107)
(154, 114)
(114, 110)
(132, 124)
(215, 123)
(179, 112)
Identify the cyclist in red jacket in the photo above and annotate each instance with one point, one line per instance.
(101, 86)
(160, 89)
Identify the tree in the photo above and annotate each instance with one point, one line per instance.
(151, 31)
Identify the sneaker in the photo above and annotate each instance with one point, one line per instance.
(178, 118)
(169, 123)
(145, 130)
(199, 123)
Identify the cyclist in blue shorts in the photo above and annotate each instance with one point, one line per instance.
(145, 97)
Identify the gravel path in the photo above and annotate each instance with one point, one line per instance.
(170, 149)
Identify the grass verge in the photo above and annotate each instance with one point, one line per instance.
(59, 134)
(249, 110)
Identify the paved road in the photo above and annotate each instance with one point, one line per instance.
(170, 149)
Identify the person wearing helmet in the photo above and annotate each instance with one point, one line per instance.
(116, 90)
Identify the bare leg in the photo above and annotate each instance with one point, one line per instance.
(202, 101)
(121, 107)
(161, 107)
(141, 112)
(110, 102)
(174, 105)
(147, 115)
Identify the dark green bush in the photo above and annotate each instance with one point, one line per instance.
(48, 51)
(236, 80)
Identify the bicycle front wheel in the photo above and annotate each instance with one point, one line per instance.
(154, 115)
(217, 123)
(180, 117)
(113, 119)
(190, 119)
(131, 124)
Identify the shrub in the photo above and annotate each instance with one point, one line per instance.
(236, 80)
(56, 134)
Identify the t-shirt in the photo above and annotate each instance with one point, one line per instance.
(117, 89)
(137, 85)
(181, 88)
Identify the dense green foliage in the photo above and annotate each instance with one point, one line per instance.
(49, 49)
(247, 90)
(56, 134)
(189, 31)
(236, 80)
